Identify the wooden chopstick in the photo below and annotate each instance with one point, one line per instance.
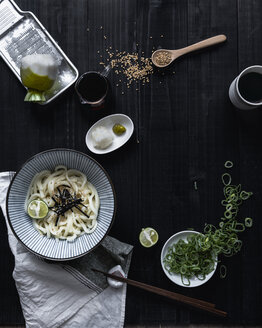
(203, 305)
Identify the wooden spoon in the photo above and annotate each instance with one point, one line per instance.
(164, 57)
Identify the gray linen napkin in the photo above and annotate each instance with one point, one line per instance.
(68, 294)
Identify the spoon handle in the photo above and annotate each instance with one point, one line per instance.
(203, 44)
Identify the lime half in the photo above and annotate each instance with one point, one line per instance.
(148, 237)
(37, 209)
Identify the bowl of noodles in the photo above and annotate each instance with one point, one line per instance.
(79, 199)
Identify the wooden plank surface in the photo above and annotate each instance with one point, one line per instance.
(185, 129)
(250, 156)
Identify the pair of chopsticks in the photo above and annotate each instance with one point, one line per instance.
(203, 305)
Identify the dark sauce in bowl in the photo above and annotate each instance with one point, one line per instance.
(250, 87)
(92, 87)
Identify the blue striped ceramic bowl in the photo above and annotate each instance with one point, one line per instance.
(21, 224)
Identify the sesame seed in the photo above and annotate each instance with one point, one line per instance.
(131, 66)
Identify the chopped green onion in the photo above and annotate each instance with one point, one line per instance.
(187, 283)
(197, 256)
(226, 179)
(193, 257)
(248, 222)
(244, 195)
(228, 164)
(223, 271)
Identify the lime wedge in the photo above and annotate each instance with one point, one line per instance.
(148, 237)
(37, 209)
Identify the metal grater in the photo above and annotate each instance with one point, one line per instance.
(22, 34)
(9, 16)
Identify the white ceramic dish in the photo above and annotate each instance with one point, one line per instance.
(194, 282)
(108, 122)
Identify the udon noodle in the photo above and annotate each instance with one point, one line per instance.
(74, 222)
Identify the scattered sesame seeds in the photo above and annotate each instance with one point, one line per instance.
(133, 67)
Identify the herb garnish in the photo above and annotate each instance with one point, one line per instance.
(64, 202)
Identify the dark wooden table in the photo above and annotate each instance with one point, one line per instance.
(185, 129)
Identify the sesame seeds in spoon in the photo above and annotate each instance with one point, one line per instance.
(163, 57)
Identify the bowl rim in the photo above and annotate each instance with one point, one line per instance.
(13, 179)
(202, 282)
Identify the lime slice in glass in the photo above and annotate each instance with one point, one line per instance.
(148, 237)
(37, 209)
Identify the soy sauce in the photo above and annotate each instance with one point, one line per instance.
(250, 87)
(92, 87)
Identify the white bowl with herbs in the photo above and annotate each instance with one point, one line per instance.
(183, 262)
